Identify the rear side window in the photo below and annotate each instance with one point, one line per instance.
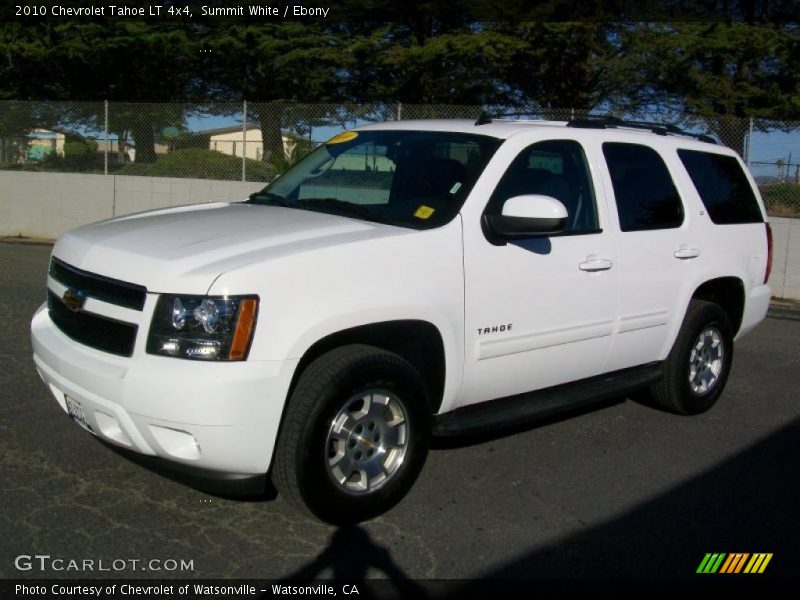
(645, 194)
(723, 187)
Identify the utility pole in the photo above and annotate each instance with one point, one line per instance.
(105, 151)
(788, 165)
(244, 141)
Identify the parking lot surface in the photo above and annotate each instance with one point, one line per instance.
(622, 490)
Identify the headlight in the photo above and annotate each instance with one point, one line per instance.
(203, 327)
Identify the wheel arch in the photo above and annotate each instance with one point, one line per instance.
(417, 341)
(728, 293)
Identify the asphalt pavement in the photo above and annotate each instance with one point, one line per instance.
(620, 491)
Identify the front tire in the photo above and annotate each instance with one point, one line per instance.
(697, 367)
(355, 435)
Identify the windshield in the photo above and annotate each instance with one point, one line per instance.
(415, 179)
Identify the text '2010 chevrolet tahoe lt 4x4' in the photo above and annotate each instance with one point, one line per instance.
(403, 280)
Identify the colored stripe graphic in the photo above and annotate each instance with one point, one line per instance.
(734, 563)
(727, 564)
(721, 562)
(758, 563)
(740, 564)
(703, 563)
(711, 563)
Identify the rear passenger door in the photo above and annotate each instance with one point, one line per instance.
(658, 252)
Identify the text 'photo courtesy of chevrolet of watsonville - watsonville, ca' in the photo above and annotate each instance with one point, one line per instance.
(405, 280)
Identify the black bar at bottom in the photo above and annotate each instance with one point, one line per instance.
(732, 586)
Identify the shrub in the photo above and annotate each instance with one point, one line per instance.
(781, 199)
(200, 163)
(79, 148)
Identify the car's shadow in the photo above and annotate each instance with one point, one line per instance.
(450, 442)
(260, 488)
(257, 488)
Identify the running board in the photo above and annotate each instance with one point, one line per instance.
(530, 406)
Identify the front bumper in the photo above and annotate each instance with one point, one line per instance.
(219, 417)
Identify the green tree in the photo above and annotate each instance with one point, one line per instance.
(461, 66)
(565, 65)
(719, 72)
(118, 60)
(276, 63)
(431, 53)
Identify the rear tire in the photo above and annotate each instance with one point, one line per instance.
(355, 435)
(697, 367)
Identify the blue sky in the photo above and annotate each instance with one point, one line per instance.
(769, 147)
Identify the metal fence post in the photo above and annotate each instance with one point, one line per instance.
(244, 141)
(105, 152)
(750, 144)
(399, 111)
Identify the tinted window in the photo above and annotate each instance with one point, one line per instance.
(557, 169)
(722, 186)
(646, 197)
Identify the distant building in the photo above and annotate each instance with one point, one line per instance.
(43, 142)
(235, 142)
(124, 149)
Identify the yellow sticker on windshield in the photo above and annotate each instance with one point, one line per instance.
(424, 212)
(345, 136)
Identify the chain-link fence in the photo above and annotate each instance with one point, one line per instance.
(256, 141)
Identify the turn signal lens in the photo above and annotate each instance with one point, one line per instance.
(244, 329)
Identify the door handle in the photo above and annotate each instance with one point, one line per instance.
(595, 263)
(685, 252)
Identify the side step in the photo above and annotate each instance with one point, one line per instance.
(530, 406)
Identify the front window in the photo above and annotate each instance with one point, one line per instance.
(555, 168)
(416, 179)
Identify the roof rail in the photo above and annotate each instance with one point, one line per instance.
(608, 122)
(486, 117)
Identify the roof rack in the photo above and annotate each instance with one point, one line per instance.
(486, 117)
(606, 122)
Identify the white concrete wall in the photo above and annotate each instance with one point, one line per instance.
(45, 205)
(785, 278)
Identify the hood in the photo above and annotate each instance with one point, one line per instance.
(184, 249)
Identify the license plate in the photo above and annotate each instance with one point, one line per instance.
(75, 411)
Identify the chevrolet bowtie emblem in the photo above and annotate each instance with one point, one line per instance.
(74, 299)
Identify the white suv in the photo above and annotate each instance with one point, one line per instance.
(403, 280)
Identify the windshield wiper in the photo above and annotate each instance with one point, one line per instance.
(338, 206)
(269, 198)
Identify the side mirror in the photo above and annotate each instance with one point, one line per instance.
(527, 216)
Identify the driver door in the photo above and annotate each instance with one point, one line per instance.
(540, 311)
